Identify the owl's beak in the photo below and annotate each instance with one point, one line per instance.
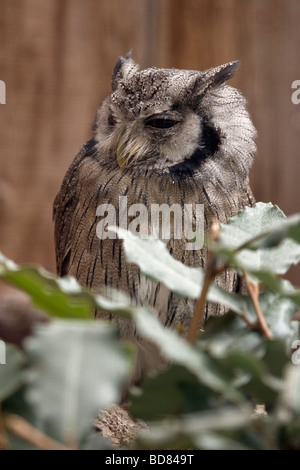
(121, 155)
(127, 150)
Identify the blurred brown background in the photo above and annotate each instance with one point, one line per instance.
(56, 58)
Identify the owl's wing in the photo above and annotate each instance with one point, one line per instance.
(64, 208)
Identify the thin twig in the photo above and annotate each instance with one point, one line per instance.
(25, 430)
(211, 271)
(198, 315)
(253, 326)
(253, 290)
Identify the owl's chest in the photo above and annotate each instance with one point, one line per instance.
(154, 205)
(147, 189)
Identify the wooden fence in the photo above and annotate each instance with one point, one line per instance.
(56, 58)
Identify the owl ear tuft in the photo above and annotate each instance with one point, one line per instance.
(125, 67)
(214, 78)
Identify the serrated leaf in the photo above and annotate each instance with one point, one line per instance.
(276, 356)
(94, 441)
(178, 351)
(51, 294)
(61, 297)
(288, 228)
(261, 222)
(64, 297)
(250, 223)
(265, 380)
(189, 430)
(155, 262)
(242, 350)
(246, 362)
(75, 370)
(278, 312)
(229, 333)
(288, 402)
(254, 378)
(153, 401)
(215, 441)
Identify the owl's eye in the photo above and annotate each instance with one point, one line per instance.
(161, 123)
(111, 121)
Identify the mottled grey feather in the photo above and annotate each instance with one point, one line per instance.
(204, 157)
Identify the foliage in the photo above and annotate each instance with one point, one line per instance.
(205, 396)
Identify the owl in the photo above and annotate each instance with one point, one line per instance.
(163, 137)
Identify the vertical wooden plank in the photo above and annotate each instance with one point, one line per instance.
(56, 58)
(25, 125)
(265, 36)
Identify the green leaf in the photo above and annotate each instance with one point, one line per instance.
(288, 402)
(259, 228)
(278, 312)
(153, 401)
(61, 297)
(217, 441)
(289, 228)
(75, 370)
(276, 356)
(229, 333)
(243, 353)
(189, 431)
(294, 228)
(178, 351)
(94, 441)
(249, 223)
(52, 295)
(266, 371)
(260, 391)
(155, 262)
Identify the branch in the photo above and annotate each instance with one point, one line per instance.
(198, 315)
(25, 430)
(253, 290)
(211, 271)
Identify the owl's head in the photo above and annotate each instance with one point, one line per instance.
(174, 121)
